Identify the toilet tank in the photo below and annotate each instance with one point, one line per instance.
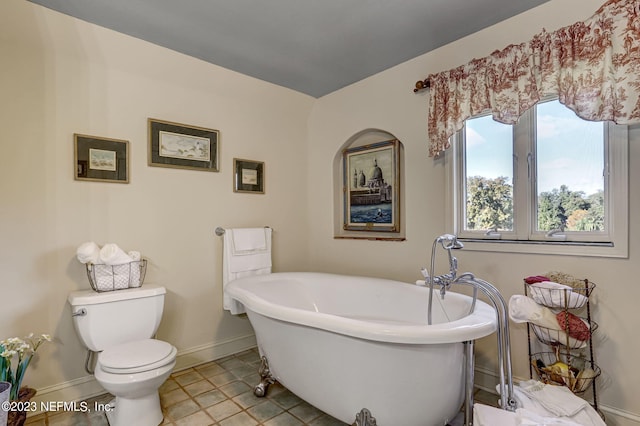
(115, 317)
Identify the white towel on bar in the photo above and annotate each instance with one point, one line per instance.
(246, 252)
(249, 240)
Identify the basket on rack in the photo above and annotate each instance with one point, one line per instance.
(573, 297)
(552, 337)
(116, 277)
(575, 372)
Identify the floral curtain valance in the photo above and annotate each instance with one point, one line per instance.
(593, 67)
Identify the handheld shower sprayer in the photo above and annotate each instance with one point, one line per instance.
(449, 242)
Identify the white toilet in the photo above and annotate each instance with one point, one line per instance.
(119, 325)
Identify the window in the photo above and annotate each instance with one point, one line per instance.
(552, 180)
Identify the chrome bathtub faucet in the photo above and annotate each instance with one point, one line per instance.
(450, 242)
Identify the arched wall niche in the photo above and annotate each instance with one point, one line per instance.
(362, 139)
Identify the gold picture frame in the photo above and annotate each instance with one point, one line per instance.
(372, 187)
(182, 146)
(100, 159)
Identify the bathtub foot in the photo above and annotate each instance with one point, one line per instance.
(266, 379)
(364, 418)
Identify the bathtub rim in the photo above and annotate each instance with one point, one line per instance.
(482, 322)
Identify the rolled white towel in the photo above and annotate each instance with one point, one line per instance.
(134, 255)
(111, 254)
(122, 275)
(88, 252)
(134, 280)
(524, 309)
(103, 277)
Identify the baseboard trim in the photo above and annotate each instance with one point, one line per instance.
(204, 353)
(87, 387)
(486, 379)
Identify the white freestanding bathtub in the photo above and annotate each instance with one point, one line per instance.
(345, 343)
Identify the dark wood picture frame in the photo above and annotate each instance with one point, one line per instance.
(248, 176)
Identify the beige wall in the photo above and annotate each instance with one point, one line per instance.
(386, 101)
(60, 76)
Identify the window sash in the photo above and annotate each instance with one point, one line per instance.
(565, 235)
(461, 196)
(611, 242)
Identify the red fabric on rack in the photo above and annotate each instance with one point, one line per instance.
(536, 279)
(573, 325)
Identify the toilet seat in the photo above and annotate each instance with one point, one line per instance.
(137, 356)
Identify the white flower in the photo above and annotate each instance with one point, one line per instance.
(24, 349)
(12, 341)
(8, 354)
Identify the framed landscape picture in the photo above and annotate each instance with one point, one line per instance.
(101, 159)
(182, 146)
(371, 187)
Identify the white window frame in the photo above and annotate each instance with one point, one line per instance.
(524, 238)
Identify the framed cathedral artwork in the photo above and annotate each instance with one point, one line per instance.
(371, 187)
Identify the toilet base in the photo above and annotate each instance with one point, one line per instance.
(144, 411)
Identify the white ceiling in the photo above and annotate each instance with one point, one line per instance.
(312, 46)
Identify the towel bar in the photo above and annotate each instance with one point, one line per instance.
(220, 230)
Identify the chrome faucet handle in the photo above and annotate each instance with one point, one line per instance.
(425, 273)
(443, 291)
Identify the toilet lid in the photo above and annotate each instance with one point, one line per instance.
(137, 356)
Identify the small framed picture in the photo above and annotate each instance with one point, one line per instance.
(101, 159)
(248, 176)
(182, 146)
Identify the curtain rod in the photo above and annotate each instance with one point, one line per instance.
(421, 85)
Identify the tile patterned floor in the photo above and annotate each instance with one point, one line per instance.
(217, 393)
